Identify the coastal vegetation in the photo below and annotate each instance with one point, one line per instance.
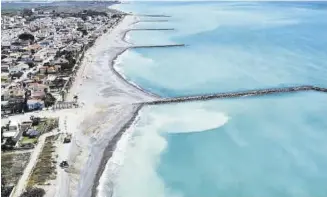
(12, 167)
(39, 126)
(47, 125)
(33, 192)
(45, 169)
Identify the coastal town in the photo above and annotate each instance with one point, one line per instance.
(42, 49)
(68, 109)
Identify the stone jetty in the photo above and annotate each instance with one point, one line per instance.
(158, 46)
(152, 21)
(149, 29)
(145, 29)
(258, 92)
(153, 29)
(154, 15)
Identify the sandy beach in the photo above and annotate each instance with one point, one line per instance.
(109, 103)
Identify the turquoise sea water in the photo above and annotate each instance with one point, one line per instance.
(232, 46)
(266, 146)
(269, 146)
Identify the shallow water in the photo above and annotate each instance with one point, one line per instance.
(231, 46)
(266, 146)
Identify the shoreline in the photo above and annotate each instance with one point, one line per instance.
(98, 138)
(120, 76)
(106, 117)
(98, 126)
(111, 144)
(60, 186)
(112, 135)
(109, 150)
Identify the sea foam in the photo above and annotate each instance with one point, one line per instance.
(137, 155)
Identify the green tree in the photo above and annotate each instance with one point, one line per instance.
(27, 12)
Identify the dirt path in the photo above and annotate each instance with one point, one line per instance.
(22, 183)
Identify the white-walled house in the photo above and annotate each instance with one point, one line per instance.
(12, 129)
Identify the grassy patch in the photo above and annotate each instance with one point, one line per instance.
(45, 168)
(26, 140)
(41, 126)
(47, 125)
(12, 167)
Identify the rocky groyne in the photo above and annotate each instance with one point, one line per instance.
(152, 29)
(259, 92)
(152, 21)
(154, 15)
(158, 46)
(159, 100)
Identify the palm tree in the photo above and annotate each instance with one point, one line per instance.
(63, 95)
(2, 128)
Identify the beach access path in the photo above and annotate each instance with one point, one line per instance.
(22, 183)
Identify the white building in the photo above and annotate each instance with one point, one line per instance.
(12, 129)
(38, 57)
